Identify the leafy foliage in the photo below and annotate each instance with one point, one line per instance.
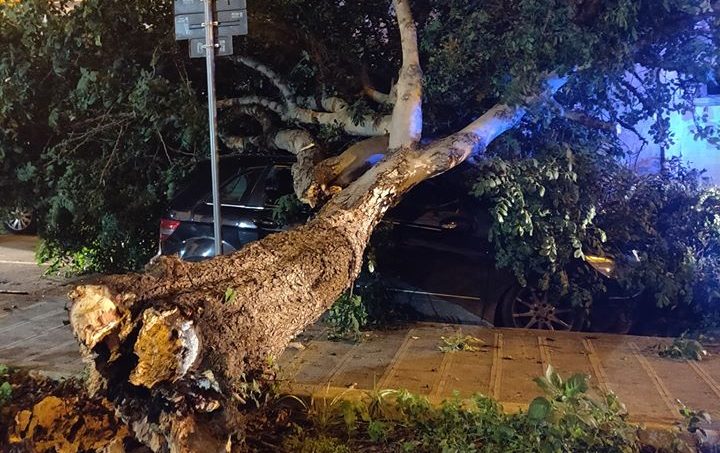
(566, 419)
(695, 419)
(459, 342)
(97, 123)
(685, 349)
(549, 211)
(5, 387)
(289, 210)
(347, 316)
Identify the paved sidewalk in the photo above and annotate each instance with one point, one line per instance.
(34, 334)
(33, 321)
(504, 368)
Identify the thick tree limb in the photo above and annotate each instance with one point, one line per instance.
(335, 173)
(406, 129)
(287, 93)
(367, 126)
(303, 146)
(376, 95)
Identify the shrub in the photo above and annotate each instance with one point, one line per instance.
(97, 124)
(565, 419)
(549, 212)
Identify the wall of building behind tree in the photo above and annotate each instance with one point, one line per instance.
(696, 153)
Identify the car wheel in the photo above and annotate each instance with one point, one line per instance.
(531, 309)
(19, 220)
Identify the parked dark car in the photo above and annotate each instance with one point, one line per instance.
(440, 260)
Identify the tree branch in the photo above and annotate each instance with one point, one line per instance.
(367, 126)
(406, 127)
(240, 143)
(376, 95)
(302, 145)
(583, 118)
(287, 93)
(335, 173)
(269, 104)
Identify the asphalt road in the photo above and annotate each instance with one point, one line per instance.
(33, 320)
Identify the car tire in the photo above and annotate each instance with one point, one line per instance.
(529, 308)
(19, 220)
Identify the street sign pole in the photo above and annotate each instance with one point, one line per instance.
(196, 21)
(212, 117)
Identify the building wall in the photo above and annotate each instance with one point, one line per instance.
(696, 153)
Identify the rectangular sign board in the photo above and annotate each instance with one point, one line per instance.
(197, 47)
(196, 6)
(230, 23)
(189, 26)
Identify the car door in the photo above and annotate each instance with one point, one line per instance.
(436, 254)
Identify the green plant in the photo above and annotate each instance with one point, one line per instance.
(5, 387)
(565, 420)
(567, 201)
(320, 444)
(288, 210)
(346, 317)
(460, 342)
(98, 124)
(695, 419)
(229, 296)
(683, 348)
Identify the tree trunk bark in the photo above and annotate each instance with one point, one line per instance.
(189, 338)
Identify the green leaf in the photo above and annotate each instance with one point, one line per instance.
(540, 409)
(229, 296)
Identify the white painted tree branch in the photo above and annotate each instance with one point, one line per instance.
(368, 126)
(379, 96)
(376, 95)
(287, 93)
(493, 123)
(406, 127)
(337, 110)
(244, 101)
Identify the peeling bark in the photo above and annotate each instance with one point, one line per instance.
(301, 144)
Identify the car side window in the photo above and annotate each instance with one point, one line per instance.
(239, 187)
(279, 183)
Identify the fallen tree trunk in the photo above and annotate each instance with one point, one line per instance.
(181, 348)
(187, 338)
(178, 348)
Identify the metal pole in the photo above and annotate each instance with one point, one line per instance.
(212, 116)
